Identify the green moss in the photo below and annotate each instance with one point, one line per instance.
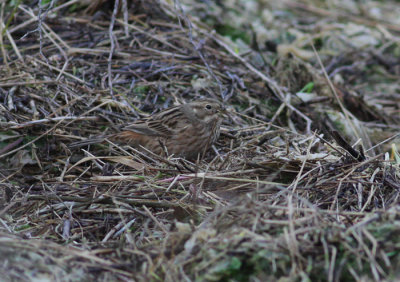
(233, 32)
(231, 269)
(140, 90)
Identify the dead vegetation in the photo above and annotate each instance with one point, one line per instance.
(303, 184)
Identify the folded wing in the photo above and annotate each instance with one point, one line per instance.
(162, 124)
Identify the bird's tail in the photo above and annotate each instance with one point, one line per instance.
(90, 141)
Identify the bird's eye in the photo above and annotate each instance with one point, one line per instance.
(208, 107)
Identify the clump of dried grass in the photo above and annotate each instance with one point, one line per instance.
(272, 199)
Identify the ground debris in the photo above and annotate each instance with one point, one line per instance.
(303, 183)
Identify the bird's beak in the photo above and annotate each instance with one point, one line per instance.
(223, 111)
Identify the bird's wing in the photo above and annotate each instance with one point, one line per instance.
(161, 124)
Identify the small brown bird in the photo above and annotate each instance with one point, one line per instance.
(186, 130)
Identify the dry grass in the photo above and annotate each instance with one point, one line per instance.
(284, 193)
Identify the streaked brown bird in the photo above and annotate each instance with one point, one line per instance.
(186, 130)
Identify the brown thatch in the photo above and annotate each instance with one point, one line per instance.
(284, 193)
